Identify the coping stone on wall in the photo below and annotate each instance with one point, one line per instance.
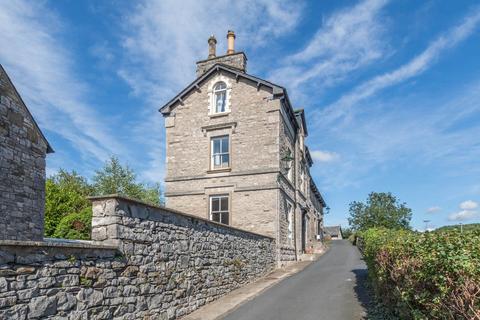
(173, 211)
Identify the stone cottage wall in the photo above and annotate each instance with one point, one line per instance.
(22, 168)
(145, 262)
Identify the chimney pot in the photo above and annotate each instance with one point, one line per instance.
(212, 43)
(231, 42)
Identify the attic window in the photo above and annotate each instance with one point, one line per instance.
(220, 97)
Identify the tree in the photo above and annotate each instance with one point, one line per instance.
(65, 193)
(346, 232)
(76, 225)
(380, 210)
(114, 178)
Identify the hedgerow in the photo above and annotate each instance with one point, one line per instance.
(432, 275)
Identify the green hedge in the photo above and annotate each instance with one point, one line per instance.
(75, 225)
(432, 275)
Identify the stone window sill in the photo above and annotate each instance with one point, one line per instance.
(218, 115)
(219, 170)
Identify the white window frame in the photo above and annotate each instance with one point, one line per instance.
(212, 108)
(216, 94)
(290, 222)
(220, 211)
(221, 154)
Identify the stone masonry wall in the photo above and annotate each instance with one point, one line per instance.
(237, 60)
(22, 168)
(145, 262)
(251, 181)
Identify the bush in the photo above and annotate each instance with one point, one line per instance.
(353, 238)
(425, 275)
(75, 225)
(66, 192)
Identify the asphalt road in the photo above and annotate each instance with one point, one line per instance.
(332, 288)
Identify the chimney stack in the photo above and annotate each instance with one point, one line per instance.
(212, 43)
(231, 42)
(236, 60)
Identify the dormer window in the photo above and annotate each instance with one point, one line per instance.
(220, 96)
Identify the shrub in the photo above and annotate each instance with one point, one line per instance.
(353, 239)
(66, 192)
(425, 275)
(75, 225)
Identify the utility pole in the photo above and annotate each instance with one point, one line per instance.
(461, 227)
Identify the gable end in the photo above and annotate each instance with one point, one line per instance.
(7, 88)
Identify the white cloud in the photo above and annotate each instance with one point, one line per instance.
(163, 39)
(347, 40)
(382, 132)
(323, 156)
(43, 72)
(433, 209)
(463, 215)
(468, 211)
(162, 50)
(469, 205)
(414, 67)
(403, 131)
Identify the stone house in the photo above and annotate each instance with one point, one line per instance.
(334, 232)
(23, 148)
(236, 154)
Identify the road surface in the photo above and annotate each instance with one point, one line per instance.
(332, 288)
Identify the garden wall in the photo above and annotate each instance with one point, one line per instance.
(144, 262)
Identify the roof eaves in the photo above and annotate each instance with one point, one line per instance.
(49, 147)
(317, 193)
(290, 108)
(308, 156)
(277, 90)
(301, 113)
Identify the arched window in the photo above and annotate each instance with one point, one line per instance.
(220, 97)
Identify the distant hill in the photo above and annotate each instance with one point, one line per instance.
(466, 227)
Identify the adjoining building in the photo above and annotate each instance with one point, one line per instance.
(334, 232)
(23, 149)
(236, 154)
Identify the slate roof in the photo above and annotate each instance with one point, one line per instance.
(300, 115)
(317, 193)
(277, 91)
(333, 230)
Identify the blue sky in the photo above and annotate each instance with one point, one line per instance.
(391, 88)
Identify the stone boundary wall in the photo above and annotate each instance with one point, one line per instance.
(145, 262)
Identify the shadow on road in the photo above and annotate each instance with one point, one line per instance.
(365, 296)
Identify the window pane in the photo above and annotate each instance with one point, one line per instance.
(225, 160)
(216, 145)
(220, 86)
(224, 217)
(216, 160)
(224, 204)
(225, 145)
(220, 101)
(216, 216)
(215, 204)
